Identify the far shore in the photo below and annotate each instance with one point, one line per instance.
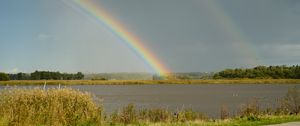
(141, 82)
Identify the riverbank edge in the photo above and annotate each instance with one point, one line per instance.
(263, 120)
(144, 82)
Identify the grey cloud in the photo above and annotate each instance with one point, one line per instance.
(184, 34)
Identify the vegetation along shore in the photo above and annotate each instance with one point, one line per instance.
(66, 106)
(256, 75)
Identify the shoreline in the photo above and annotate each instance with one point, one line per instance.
(146, 82)
(22, 106)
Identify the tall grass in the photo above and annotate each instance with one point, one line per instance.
(224, 112)
(250, 109)
(48, 107)
(131, 115)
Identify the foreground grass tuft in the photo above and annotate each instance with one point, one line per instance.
(48, 107)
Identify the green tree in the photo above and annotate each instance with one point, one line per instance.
(35, 75)
(22, 76)
(262, 72)
(4, 77)
(79, 76)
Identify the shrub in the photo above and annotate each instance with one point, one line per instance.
(253, 118)
(291, 101)
(250, 109)
(48, 107)
(224, 112)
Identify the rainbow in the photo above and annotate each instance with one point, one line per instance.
(232, 31)
(118, 29)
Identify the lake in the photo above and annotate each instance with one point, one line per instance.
(205, 98)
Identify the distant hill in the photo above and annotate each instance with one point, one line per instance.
(146, 76)
(119, 76)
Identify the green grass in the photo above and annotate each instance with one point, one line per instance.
(131, 82)
(263, 120)
(249, 116)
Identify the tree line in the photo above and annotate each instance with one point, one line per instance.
(46, 75)
(261, 72)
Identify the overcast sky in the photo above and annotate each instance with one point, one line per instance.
(186, 35)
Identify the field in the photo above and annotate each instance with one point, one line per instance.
(126, 82)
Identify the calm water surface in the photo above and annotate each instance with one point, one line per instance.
(205, 98)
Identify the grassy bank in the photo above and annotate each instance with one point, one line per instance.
(66, 106)
(127, 82)
(263, 120)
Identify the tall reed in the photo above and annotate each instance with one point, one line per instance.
(20, 106)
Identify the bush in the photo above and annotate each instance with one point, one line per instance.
(250, 109)
(253, 118)
(224, 112)
(4, 77)
(48, 107)
(291, 101)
